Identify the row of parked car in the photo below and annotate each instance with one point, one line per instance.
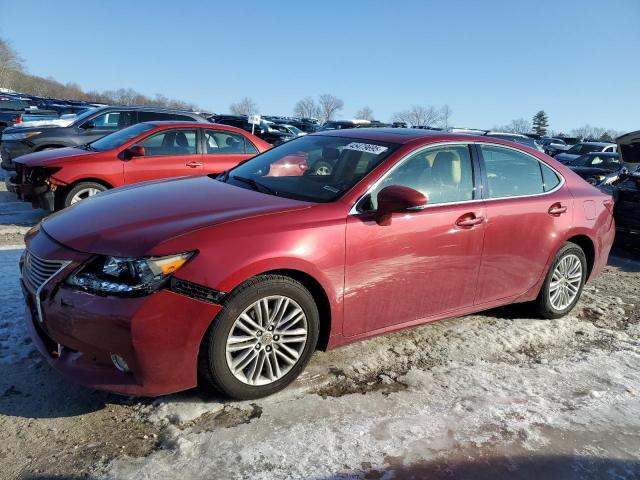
(106, 152)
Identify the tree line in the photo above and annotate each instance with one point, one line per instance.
(13, 76)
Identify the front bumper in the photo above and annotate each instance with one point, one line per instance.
(158, 335)
(12, 149)
(40, 196)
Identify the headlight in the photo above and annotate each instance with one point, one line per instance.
(19, 136)
(127, 276)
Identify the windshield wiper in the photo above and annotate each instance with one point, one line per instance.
(86, 146)
(256, 185)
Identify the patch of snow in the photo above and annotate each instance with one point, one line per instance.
(180, 410)
(450, 407)
(15, 343)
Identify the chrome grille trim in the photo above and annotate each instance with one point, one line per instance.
(37, 272)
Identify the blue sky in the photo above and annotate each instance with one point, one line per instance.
(491, 61)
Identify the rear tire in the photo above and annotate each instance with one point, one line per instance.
(81, 191)
(244, 354)
(564, 282)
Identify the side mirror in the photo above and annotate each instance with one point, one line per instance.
(395, 199)
(88, 125)
(135, 151)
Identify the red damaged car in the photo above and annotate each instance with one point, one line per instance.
(54, 179)
(237, 279)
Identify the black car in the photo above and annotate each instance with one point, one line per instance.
(13, 110)
(87, 127)
(593, 167)
(307, 125)
(265, 130)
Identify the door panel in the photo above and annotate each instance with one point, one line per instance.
(519, 238)
(170, 153)
(420, 265)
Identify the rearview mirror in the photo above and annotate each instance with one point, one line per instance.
(135, 151)
(395, 199)
(88, 125)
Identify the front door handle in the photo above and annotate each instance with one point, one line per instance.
(194, 164)
(557, 209)
(469, 220)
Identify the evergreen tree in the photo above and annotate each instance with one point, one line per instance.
(540, 123)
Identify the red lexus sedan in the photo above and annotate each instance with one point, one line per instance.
(240, 277)
(54, 179)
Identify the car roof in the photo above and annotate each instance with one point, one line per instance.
(399, 135)
(147, 109)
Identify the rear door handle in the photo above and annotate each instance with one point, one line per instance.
(469, 220)
(557, 209)
(194, 164)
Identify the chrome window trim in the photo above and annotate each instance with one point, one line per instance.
(354, 210)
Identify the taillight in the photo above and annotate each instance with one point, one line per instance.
(18, 120)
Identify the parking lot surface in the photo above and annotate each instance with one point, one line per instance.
(494, 395)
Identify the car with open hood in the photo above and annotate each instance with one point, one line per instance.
(235, 280)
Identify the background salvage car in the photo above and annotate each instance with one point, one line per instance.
(57, 178)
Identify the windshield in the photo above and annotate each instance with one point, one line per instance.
(582, 148)
(311, 168)
(116, 139)
(84, 115)
(295, 130)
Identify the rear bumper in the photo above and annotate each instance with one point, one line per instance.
(40, 196)
(158, 335)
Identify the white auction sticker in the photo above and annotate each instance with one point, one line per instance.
(366, 147)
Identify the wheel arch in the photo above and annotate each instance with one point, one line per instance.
(61, 192)
(588, 247)
(319, 295)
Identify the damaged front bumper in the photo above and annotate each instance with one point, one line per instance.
(39, 195)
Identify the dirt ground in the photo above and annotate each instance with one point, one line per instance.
(499, 394)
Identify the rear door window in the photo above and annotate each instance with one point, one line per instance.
(220, 142)
(511, 173)
(171, 142)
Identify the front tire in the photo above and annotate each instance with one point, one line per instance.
(262, 339)
(564, 282)
(81, 191)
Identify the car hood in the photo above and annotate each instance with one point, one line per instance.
(589, 170)
(51, 157)
(18, 129)
(130, 221)
(565, 157)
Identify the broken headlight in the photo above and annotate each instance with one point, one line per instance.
(127, 276)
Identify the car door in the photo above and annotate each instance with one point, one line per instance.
(223, 149)
(425, 262)
(526, 206)
(104, 124)
(172, 152)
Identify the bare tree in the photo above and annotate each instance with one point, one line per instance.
(365, 113)
(594, 133)
(445, 116)
(10, 63)
(519, 125)
(329, 105)
(419, 116)
(246, 106)
(306, 108)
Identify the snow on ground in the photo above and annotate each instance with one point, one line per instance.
(15, 343)
(494, 384)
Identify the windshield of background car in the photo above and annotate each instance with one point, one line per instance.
(598, 161)
(116, 139)
(312, 168)
(80, 118)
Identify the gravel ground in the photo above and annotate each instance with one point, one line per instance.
(493, 395)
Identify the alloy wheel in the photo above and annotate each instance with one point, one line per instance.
(84, 193)
(266, 340)
(565, 282)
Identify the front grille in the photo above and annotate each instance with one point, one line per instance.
(36, 271)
